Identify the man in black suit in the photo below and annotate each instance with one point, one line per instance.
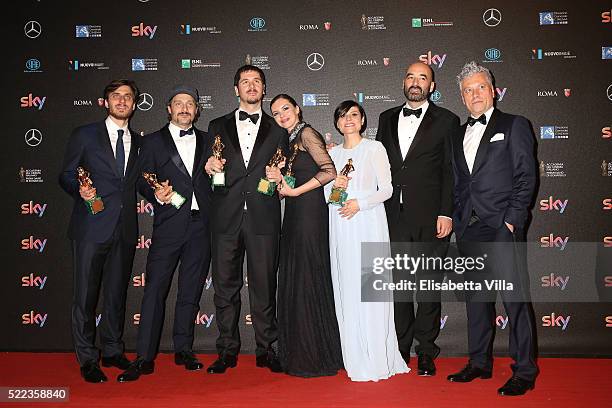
(245, 220)
(175, 154)
(103, 244)
(417, 136)
(495, 181)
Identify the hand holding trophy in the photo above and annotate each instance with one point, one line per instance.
(266, 186)
(176, 199)
(95, 204)
(289, 177)
(218, 178)
(338, 194)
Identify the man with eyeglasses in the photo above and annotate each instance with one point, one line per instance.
(103, 233)
(175, 155)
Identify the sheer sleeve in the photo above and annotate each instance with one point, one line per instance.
(313, 143)
(382, 171)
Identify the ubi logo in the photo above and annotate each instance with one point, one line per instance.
(551, 241)
(143, 243)
(501, 321)
(143, 207)
(492, 54)
(31, 243)
(257, 23)
(33, 318)
(33, 281)
(554, 320)
(33, 209)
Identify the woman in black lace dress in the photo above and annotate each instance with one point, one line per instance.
(309, 341)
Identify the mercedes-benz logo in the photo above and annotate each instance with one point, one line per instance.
(32, 29)
(33, 137)
(145, 102)
(315, 61)
(609, 92)
(492, 17)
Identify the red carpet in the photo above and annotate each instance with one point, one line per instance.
(562, 383)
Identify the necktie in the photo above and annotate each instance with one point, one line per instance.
(415, 112)
(482, 119)
(242, 115)
(186, 132)
(120, 152)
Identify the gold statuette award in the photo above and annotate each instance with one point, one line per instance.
(339, 195)
(95, 205)
(266, 186)
(289, 177)
(218, 179)
(176, 199)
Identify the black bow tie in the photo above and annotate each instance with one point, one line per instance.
(242, 115)
(482, 119)
(186, 132)
(415, 112)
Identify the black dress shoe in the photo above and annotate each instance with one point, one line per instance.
(221, 364)
(136, 369)
(426, 368)
(269, 360)
(91, 372)
(515, 386)
(120, 361)
(468, 374)
(188, 359)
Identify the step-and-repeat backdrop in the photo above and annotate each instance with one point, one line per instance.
(551, 63)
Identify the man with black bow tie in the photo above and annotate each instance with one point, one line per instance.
(417, 137)
(243, 220)
(175, 154)
(495, 181)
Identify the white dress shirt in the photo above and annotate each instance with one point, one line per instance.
(186, 147)
(112, 129)
(472, 138)
(247, 133)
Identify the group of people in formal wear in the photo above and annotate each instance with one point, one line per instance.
(217, 197)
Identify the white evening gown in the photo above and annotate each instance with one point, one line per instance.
(367, 329)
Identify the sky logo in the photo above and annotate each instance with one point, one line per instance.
(435, 60)
(608, 321)
(554, 320)
(143, 243)
(33, 209)
(32, 281)
(204, 319)
(501, 321)
(32, 318)
(500, 93)
(443, 321)
(33, 101)
(550, 204)
(551, 241)
(208, 282)
(144, 207)
(33, 244)
(98, 318)
(139, 280)
(554, 281)
(144, 31)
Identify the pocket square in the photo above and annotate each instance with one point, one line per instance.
(497, 137)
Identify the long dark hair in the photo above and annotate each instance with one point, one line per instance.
(291, 101)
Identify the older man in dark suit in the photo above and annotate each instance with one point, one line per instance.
(103, 242)
(495, 181)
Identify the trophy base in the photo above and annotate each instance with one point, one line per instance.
(266, 187)
(95, 205)
(338, 196)
(290, 180)
(177, 200)
(218, 179)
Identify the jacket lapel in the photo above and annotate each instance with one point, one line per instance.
(481, 153)
(460, 156)
(232, 134)
(134, 147)
(105, 144)
(264, 127)
(199, 152)
(393, 123)
(173, 151)
(423, 129)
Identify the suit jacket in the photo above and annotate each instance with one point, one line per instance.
(503, 179)
(241, 182)
(425, 175)
(159, 155)
(89, 146)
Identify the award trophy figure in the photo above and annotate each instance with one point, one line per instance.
(218, 179)
(176, 199)
(339, 195)
(289, 177)
(266, 186)
(95, 205)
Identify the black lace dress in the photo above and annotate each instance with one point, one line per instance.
(309, 340)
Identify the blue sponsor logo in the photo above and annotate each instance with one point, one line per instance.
(606, 52)
(492, 54)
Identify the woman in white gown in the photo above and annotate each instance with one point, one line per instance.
(367, 330)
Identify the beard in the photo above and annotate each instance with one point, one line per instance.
(421, 96)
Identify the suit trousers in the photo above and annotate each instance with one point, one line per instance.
(504, 261)
(109, 264)
(228, 252)
(193, 253)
